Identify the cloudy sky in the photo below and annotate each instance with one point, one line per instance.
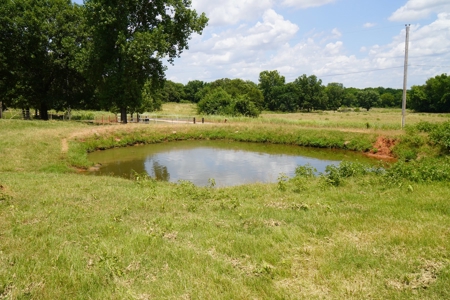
(360, 43)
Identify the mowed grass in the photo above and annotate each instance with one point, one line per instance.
(66, 235)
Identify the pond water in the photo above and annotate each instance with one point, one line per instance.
(228, 163)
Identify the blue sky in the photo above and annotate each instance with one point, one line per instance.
(359, 43)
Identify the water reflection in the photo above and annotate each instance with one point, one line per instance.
(229, 163)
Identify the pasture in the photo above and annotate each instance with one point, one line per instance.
(67, 235)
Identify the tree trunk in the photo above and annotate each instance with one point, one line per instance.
(43, 111)
(123, 115)
(1, 110)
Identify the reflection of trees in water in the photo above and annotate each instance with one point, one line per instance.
(160, 171)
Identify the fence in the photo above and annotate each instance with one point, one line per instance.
(110, 118)
(150, 118)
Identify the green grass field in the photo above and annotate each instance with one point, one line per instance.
(65, 235)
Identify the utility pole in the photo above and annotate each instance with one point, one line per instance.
(405, 77)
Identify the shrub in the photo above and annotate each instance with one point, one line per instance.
(425, 126)
(350, 169)
(332, 175)
(440, 135)
(243, 106)
(83, 116)
(427, 169)
(217, 102)
(305, 171)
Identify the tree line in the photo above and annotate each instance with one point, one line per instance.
(306, 93)
(105, 54)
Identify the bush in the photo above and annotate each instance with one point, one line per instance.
(307, 171)
(83, 116)
(243, 106)
(218, 102)
(440, 135)
(425, 170)
(332, 175)
(425, 126)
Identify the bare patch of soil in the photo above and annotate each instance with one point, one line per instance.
(383, 148)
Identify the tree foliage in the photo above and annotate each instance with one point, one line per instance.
(192, 90)
(270, 83)
(434, 96)
(55, 54)
(311, 92)
(335, 95)
(219, 102)
(238, 88)
(130, 39)
(171, 92)
(368, 98)
(40, 53)
(234, 97)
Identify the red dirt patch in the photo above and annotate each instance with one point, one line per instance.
(383, 148)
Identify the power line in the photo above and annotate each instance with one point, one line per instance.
(380, 69)
(358, 72)
(370, 29)
(430, 66)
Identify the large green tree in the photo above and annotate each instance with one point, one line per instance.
(286, 96)
(238, 88)
(336, 94)
(130, 40)
(311, 92)
(368, 98)
(434, 96)
(40, 50)
(269, 84)
(192, 90)
(172, 92)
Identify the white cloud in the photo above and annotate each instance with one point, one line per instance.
(369, 25)
(231, 12)
(306, 3)
(269, 34)
(336, 33)
(437, 34)
(272, 42)
(419, 9)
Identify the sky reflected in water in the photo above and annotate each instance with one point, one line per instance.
(228, 163)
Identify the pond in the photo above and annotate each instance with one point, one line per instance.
(227, 163)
